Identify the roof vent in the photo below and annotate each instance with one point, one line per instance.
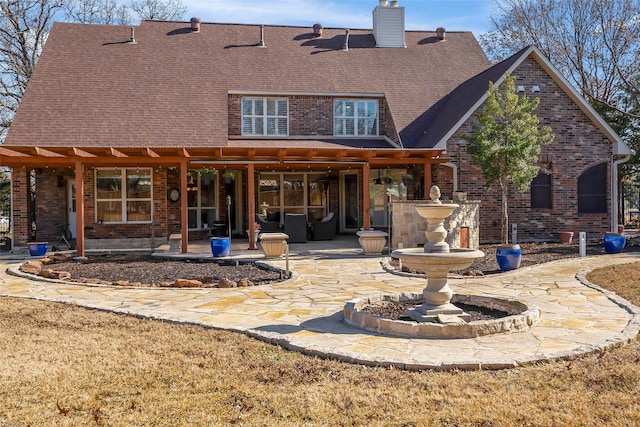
(441, 33)
(346, 40)
(394, 3)
(317, 30)
(195, 24)
(388, 25)
(132, 40)
(262, 43)
(384, 2)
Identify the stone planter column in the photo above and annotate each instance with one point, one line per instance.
(372, 242)
(273, 244)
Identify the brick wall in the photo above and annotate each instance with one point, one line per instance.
(578, 145)
(21, 223)
(308, 116)
(51, 202)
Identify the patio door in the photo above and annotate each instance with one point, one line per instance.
(349, 202)
(71, 206)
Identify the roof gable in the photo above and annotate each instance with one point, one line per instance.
(455, 109)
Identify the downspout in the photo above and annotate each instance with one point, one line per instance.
(614, 191)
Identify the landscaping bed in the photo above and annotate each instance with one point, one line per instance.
(141, 271)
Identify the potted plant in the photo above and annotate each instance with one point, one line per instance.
(207, 172)
(506, 143)
(229, 177)
(387, 178)
(256, 231)
(407, 180)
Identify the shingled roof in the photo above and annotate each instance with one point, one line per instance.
(93, 88)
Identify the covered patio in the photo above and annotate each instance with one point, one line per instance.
(156, 181)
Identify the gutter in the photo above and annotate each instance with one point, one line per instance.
(614, 191)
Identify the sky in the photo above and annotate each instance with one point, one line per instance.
(454, 15)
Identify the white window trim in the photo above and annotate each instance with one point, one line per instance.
(123, 196)
(265, 116)
(355, 118)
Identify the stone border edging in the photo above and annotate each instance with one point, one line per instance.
(16, 272)
(521, 317)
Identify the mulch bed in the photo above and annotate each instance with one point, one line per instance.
(152, 271)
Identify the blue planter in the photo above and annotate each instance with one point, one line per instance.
(614, 243)
(509, 257)
(37, 248)
(220, 246)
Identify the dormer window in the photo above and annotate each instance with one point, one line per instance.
(355, 117)
(265, 116)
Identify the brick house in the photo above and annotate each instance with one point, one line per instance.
(292, 120)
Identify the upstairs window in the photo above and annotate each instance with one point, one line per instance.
(265, 116)
(355, 117)
(541, 191)
(592, 190)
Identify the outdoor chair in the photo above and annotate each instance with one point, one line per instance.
(325, 228)
(268, 226)
(295, 226)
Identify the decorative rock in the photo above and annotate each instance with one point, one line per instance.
(244, 283)
(208, 285)
(121, 283)
(46, 272)
(47, 261)
(185, 283)
(165, 284)
(60, 275)
(31, 267)
(58, 257)
(226, 283)
(473, 273)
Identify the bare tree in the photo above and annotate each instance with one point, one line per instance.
(97, 12)
(24, 26)
(595, 44)
(168, 10)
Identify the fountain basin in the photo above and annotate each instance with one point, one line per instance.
(437, 294)
(520, 317)
(455, 259)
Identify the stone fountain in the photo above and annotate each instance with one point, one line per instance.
(434, 315)
(437, 260)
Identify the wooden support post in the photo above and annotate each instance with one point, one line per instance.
(427, 181)
(366, 197)
(251, 209)
(184, 207)
(80, 209)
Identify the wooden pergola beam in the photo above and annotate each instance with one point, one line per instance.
(43, 152)
(81, 153)
(115, 153)
(149, 152)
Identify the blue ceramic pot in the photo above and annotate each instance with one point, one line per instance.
(220, 246)
(509, 257)
(614, 243)
(37, 248)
